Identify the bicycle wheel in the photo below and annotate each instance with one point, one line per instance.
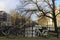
(12, 34)
(5, 32)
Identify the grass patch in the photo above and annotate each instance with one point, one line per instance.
(30, 38)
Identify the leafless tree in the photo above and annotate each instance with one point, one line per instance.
(44, 6)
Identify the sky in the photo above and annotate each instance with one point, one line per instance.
(57, 2)
(7, 5)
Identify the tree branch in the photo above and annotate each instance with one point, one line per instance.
(49, 16)
(48, 4)
(30, 14)
(57, 14)
(46, 15)
(39, 15)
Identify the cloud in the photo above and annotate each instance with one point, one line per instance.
(2, 6)
(34, 17)
(7, 5)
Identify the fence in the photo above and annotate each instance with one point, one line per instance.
(29, 31)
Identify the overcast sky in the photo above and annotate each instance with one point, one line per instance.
(12, 4)
(7, 5)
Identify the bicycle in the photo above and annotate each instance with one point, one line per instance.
(44, 32)
(13, 32)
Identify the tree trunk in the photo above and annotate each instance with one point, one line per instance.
(54, 18)
(55, 25)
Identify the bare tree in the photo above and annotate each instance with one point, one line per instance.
(54, 15)
(44, 6)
